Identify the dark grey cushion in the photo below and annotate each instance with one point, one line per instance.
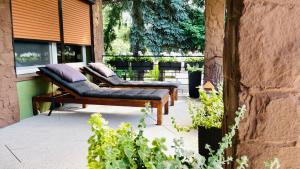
(66, 72)
(78, 87)
(113, 80)
(102, 69)
(116, 81)
(88, 89)
(149, 84)
(137, 94)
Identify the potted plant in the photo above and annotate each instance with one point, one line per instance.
(194, 75)
(119, 62)
(125, 148)
(169, 63)
(142, 63)
(207, 116)
(194, 61)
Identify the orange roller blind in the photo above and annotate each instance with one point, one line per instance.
(76, 22)
(36, 19)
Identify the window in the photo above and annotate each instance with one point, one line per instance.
(88, 54)
(29, 55)
(71, 54)
(51, 32)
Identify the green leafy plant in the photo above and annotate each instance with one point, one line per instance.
(194, 59)
(143, 59)
(123, 149)
(154, 74)
(216, 160)
(167, 59)
(208, 113)
(194, 64)
(194, 68)
(117, 58)
(274, 164)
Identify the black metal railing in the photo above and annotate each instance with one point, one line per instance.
(154, 68)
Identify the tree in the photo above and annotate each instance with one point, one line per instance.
(159, 25)
(112, 18)
(195, 29)
(137, 31)
(163, 19)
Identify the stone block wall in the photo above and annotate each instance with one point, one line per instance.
(270, 81)
(214, 40)
(262, 71)
(9, 108)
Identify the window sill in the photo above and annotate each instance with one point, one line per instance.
(27, 77)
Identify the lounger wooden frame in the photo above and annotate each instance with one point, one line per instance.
(69, 96)
(173, 91)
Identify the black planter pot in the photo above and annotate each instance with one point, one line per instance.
(169, 66)
(140, 66)
(211, 136)
(194, 83)
(200, 64)
(120, 65)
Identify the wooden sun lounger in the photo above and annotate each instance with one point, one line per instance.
(68, 96)
(173, 91)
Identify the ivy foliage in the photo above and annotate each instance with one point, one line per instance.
(125, 149)
(208, 113)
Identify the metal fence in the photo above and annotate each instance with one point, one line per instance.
(154, 68)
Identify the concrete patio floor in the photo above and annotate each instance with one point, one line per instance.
(60, 141)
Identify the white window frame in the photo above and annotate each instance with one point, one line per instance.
(33, 69)
(53, 60)
(80, 64)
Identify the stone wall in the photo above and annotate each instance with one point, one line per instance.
(262, 71)
(270, 81)
(9, 108)
(214, 24)
(98, 30)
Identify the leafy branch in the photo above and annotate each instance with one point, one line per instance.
(208, 113)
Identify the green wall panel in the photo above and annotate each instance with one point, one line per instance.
(28, 89)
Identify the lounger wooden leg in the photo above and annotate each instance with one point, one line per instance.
(35, 107)
(172, 97)
(83, 106)
(51, 108)
(159, 114)
(167, 108)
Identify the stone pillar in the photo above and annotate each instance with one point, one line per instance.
(262, 71)
(214, 40)
(98, 30)
(9, 107)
